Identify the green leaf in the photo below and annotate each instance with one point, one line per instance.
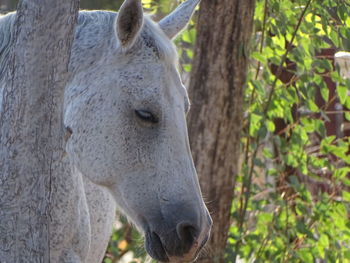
(187, 67)
(324, 241)
(254, 124)
(347, 116)
(342, 93)
(305, 255)
(324, 92)
(258, 56)
(334, 37)
(346, 196)
(270, 126)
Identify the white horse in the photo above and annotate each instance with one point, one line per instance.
(127, 143)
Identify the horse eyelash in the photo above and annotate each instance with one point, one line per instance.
(142, 115)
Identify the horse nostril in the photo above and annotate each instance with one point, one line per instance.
(187, 233)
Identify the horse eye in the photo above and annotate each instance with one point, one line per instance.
(146, 116)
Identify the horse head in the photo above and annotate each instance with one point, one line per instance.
(126, 110)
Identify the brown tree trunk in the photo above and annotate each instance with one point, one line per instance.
(216, 90)
(31, 140)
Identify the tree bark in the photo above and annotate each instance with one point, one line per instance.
(31, 127)
(216, 89)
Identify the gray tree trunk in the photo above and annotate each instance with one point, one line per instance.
(216, 91)
(31, 132)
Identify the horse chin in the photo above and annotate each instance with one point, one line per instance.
(190, 256)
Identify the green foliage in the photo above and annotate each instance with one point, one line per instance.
(293, 200)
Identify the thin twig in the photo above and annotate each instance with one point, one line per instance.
(252, 97)
(262, 38)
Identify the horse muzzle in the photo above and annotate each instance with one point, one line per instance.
(179, 241)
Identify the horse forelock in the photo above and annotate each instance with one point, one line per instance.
(96, 38)
(153, 36)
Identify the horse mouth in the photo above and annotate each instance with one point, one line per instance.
(156, 250)
(154, 247)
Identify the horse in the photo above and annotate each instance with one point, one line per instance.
(127, 145)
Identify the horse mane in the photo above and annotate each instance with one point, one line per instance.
(160, 42)
(6, 39)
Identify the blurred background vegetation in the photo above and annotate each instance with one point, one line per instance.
(292, 197)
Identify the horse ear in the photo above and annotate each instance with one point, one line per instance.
(176, 21)
(129, 22)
